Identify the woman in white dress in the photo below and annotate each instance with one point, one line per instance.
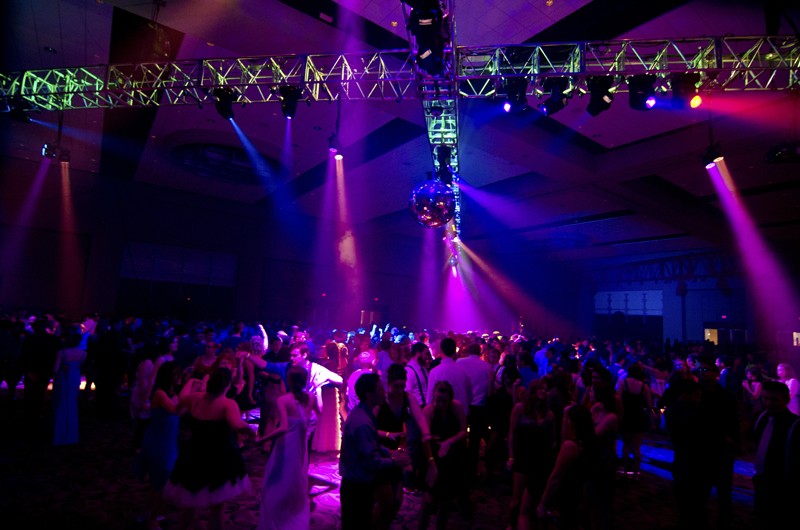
(284, 499)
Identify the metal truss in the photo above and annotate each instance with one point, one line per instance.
(724, 63)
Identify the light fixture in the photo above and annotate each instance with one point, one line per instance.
(334, 147)
(557, 87)
(289, 96)
(425, 23)
(684, 90)
(49, 150)
(516, 99)
(225, 97)
(712, 153)
(600, 94)
(641, 91)
(64, 156)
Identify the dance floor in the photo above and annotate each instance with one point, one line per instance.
(92, 486)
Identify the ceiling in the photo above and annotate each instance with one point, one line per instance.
(622, 185)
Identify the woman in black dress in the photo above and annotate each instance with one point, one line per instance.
(447, 422)
(210, 469)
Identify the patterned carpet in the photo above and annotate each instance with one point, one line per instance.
(91, 485)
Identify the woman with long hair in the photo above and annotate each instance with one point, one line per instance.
(531, 444)
(447, 423)
(209, 470)
(66, 385)
(160, 443)
(284, 499)
(637, 403)
(575, 464)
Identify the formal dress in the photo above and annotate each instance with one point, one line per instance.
(284, 500)
(160, 447)
(209, 469)
(65, 403)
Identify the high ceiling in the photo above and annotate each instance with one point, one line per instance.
(624, 184)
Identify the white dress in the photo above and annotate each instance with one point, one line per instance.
(284, 500)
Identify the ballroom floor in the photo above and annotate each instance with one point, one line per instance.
(91, 485)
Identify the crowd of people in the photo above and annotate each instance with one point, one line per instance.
(429, 412)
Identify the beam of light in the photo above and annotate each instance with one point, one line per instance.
(260, 165)
(14, 245)
(777, 308)
(500, 208)
(70, 264)
(544, 319)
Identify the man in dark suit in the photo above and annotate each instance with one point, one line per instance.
(776, 482)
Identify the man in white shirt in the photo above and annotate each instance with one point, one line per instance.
(480, 376)
(449, 371)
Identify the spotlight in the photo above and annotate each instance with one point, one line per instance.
(642, 92)
(49, 150)
(684, 90)
(289, 96)
(558, 88)
(425, 23)
(224, 104)
(600, 94)
(516, 99)
(64, 156)
(712, 153)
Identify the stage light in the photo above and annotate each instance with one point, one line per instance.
(289, 96)
(684, 90)
(334, 147)
(558, 88)
(225, 98)
(64, 156)
(516, 98)
(712, 154)
(641, 91)
(425, 23)
(600, 94)
(49, 150)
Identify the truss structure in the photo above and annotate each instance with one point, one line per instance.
(724, 64)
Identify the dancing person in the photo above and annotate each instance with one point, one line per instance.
(209, 470)
(448, 427)
(400, 423)
(637, 404)
(531, 452)
(777, 459)
(284, 500)
(577, 458)
(787, 377)
(362, 458)
(160, 443)
(66, 385)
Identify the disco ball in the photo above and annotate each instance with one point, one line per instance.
(433, 203)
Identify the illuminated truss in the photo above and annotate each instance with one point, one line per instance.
(724, 64)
